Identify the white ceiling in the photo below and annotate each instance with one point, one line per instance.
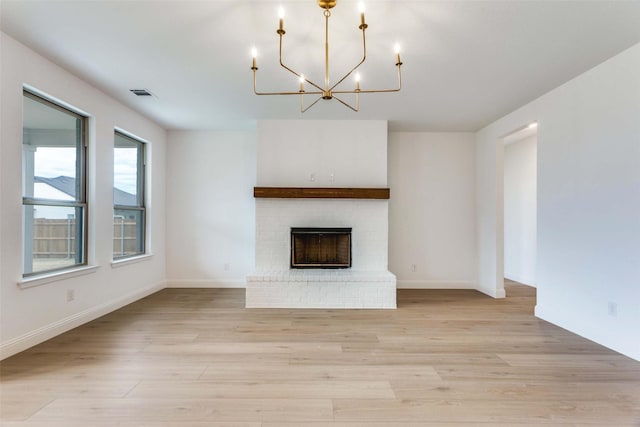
(466, 63)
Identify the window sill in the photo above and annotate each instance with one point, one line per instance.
(43, 279)
(131, 260)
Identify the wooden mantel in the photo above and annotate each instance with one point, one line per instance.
(320, 193)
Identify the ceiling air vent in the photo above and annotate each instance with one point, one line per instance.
(141, 92)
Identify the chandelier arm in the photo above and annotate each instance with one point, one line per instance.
(288, 93)
(364, 91)
(364, 57)
(294, 72)
(347, 105)
(302, 110)
(255, 91)
(377, 90)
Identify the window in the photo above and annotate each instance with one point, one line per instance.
(128, 197)
(53, 186)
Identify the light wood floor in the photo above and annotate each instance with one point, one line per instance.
(196, 357)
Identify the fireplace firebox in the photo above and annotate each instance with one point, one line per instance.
(320, 247)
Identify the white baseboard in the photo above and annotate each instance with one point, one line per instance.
(495, 293)
(40, 335)
(232, 283)
(433, 284)
(501, 293)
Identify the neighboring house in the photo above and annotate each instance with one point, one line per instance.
(64, 188)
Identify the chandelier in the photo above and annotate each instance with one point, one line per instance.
(328, 92)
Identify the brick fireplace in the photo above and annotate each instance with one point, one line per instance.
(362, 282)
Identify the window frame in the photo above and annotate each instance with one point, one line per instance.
(81, 245)
(141, 205)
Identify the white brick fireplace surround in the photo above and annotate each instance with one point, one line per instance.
(324, 154)
(367, 284)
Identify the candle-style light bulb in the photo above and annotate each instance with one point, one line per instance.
(357, 81)
(281, 16)
(301, 82)
(396, 48)
(254, 55)
(361, 8)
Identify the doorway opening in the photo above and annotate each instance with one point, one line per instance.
(520, 204)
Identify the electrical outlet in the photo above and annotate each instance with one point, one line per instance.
(71, 295)
(312, 177)
(227, 267)
(612, 308)
(414, 268)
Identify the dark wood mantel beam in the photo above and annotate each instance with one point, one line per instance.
(320, 193)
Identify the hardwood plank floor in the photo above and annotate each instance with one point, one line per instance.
(196, 357)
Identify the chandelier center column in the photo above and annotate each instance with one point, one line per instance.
(327, 92)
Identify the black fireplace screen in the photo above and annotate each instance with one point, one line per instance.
(320, 247)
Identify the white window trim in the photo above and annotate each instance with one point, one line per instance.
(43, 279)
(117, 263)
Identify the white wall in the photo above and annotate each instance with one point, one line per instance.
(210, 208)
(588, 200)
(520, 210)
(338, 153)
(490, 214)
(31, 315)
(432, 209)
